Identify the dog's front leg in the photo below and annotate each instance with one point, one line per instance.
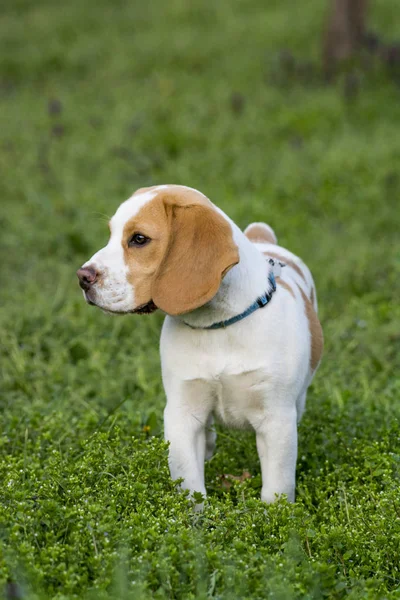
(277, 449)
(185, 420)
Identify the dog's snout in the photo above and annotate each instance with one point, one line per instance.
(87, 277)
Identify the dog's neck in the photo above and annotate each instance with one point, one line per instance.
(240, 287)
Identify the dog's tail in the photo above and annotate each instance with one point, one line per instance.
(260, 233)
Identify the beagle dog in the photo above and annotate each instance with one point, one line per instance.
(241, 340)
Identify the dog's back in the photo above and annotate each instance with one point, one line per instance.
(295, 272)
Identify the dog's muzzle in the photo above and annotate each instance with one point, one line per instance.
(87, 277)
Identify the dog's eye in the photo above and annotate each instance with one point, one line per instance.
(138, 239)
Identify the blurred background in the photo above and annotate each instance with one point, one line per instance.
(281, 111)
(284, 113)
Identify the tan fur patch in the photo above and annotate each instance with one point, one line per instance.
(317, 338)
(190, 251)
(285, 285)
(143, 262)
(257, 233)
(312, 296)
(287, 261)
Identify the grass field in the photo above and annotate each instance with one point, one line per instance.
(97, 99)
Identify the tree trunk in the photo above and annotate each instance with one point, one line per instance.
(345, 32)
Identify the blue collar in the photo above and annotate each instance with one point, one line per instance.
(259, 303)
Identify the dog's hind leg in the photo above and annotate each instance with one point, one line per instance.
(301, 405)
(260, 233)
(211, 437)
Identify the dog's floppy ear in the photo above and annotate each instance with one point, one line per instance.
(200, 251)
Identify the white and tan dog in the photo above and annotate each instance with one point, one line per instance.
(231, 344)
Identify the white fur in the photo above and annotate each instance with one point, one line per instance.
(116, 294)
(254, 373)
(264, 226)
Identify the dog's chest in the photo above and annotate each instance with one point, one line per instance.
(238, 400)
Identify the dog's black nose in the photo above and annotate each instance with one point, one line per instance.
(87, 276)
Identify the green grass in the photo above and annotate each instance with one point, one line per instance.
(97, 99)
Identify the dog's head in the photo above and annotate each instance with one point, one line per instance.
(169, 248)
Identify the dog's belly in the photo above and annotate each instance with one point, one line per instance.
(240, 399)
